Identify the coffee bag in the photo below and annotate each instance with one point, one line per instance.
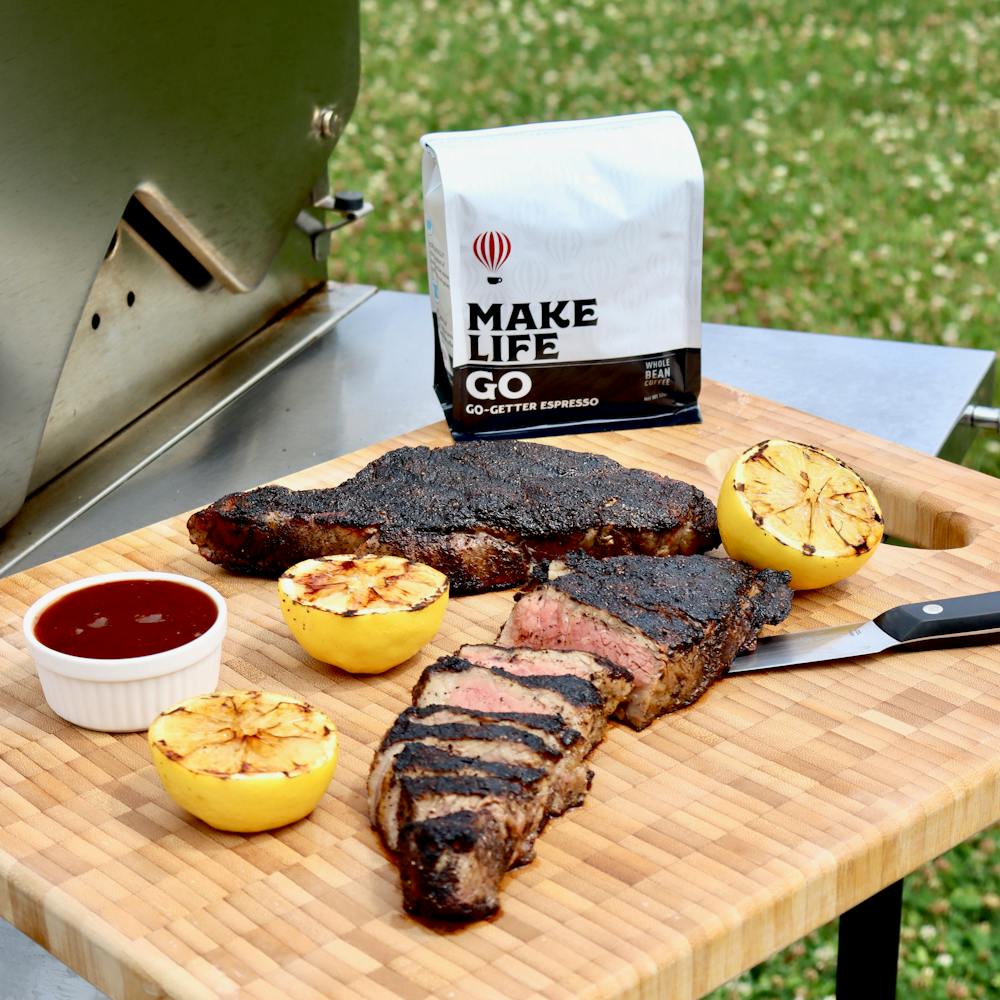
(564, 264)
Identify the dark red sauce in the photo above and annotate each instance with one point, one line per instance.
(110, 621)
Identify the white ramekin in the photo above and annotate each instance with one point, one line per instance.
(124, 696)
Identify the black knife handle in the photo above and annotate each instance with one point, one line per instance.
(943, 618)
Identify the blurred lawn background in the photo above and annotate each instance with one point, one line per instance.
(852, 170)
(851, 150)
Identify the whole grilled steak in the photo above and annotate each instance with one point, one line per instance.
(675, 623)
(481, 512)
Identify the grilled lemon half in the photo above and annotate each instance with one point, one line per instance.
(794, 507)
(244, 761)
(363, 614)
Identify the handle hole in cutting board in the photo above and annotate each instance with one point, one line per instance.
(918, 520)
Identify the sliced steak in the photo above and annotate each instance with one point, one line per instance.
(675, 623)
(551, 728)
(517, 808)
(421, 759)
(482, 512)
(494, 742)
(569, 782)
(451, 866)
(613, 682)
(538, 742)
(454, 681)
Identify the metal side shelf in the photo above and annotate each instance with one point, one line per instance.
(351, 367)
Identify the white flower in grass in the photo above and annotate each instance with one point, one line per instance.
(944, 960)
(928, 932)
(825, 953)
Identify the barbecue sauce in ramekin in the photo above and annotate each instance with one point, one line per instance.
(125, 618)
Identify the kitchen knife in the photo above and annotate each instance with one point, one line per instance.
(975, 618)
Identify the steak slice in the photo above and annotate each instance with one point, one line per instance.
(482, 512)
(675, 623)
(518, 810)
(538, 742)
(569, 781)
(422, 759)
(613, 682)
(488, 741)
(451, 866)
(454, 681)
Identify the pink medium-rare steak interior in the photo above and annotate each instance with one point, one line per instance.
(475, 694)
(452, 680)
(675, 622)
(613, 682)
(544, 619)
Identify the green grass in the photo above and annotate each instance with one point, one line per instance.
(951, 925)
(852, 165)
(851, 151)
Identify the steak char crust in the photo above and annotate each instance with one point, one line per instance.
(450, 866)
(482, 512)
(675, 623)
(466, 779)
(503, 744)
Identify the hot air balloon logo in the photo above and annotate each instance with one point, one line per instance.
(492, 249)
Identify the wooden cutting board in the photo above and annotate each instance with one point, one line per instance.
(715, 837)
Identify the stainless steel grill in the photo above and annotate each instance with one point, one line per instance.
(154, 161)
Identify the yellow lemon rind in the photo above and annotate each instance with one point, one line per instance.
(747, 537)
(360, 639)
(238, 801)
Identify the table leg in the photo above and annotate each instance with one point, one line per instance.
(868, 953)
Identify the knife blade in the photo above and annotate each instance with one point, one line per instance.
(975, 618)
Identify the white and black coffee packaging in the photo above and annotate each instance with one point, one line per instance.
(564, 263)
